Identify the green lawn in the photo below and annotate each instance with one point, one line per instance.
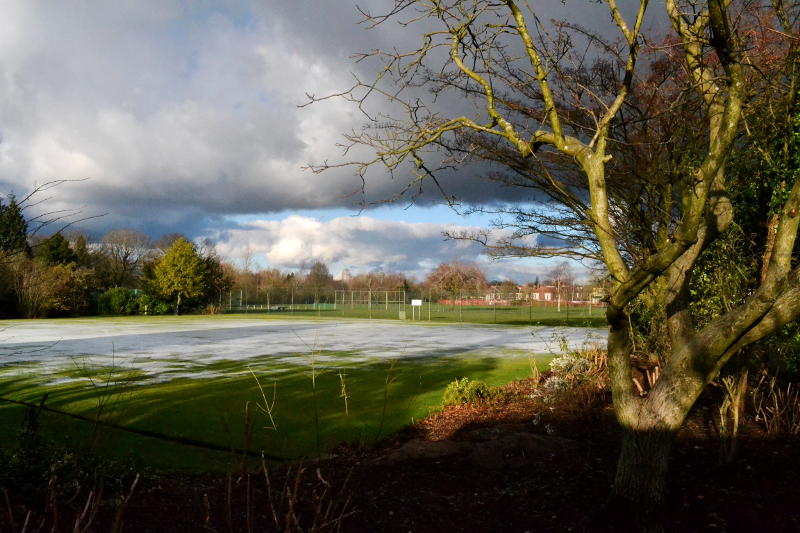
(309, 415)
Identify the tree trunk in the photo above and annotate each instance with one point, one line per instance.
(640, 485)
(648, 427)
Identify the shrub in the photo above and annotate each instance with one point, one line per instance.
(153, 306)
(556, 385)
(570, 366)
(577, 378)
(118, 301)
(466, 390)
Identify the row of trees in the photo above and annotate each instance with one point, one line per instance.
(123, 273)
(315, 283)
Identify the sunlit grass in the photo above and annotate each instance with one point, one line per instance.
(382, 397)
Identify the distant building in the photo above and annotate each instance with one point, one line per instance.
(544, 293)
(599, 294)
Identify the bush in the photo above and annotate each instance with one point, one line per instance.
(121, 301)
(72, 291)
(153, 306)
(118, 301)
(466, 390)
(570, 366)
(556, 385)
(577, 378)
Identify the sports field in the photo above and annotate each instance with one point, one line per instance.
(183, 386)
(526, 314)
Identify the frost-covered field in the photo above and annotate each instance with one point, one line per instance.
(326, 381)
(169, 347)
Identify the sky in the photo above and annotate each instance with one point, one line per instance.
(185, 116)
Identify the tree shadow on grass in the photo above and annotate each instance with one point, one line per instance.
(382, 397)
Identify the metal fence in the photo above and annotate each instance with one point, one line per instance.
(491, 308)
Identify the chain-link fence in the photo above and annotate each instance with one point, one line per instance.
(491, 308)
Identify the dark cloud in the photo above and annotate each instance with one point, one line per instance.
(181, 115)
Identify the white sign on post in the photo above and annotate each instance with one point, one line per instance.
(414, 305)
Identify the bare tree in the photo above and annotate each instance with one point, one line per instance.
(125, 251)
(533, 104)
(456, 279)
(375, 280)
(561, 277)
(166, 241)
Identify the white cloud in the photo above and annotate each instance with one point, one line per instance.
(361, 244)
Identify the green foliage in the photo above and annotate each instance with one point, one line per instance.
(218, 282)
(55, 250)
(467, 390)
(72, 295)
(778, 166)
(784, 350)
(648, 323)
(151, 305)
(13, 227)
(725, 274)
(41, 290)
(82, 256)
(761, 172)
(118, 301)
(181, 275)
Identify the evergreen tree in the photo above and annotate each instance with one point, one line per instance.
(55, 250)
(82, 256)
(13, 227)
(218, 282)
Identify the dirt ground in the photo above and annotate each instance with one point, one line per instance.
(513, 466)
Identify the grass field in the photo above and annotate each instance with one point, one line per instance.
(341, 386)
(530, 315)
